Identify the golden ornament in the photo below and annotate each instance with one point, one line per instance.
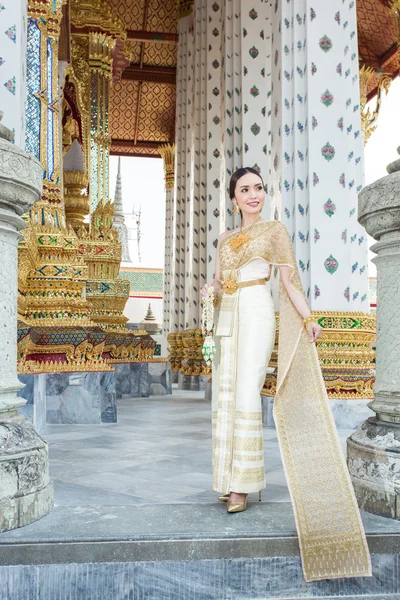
(230, 286)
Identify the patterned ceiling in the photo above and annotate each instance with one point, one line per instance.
(377, 40)
(142, 101)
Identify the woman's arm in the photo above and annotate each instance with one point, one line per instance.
(216, 283)
(300, 303)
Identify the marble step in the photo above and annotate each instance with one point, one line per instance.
(122, 533)
(179, 552)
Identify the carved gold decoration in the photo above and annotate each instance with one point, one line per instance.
(96, 15)
(176, 351)
(345, 352)
(368, 118)
(167, 152)
(185, 352)
(185, 7)
(101, 47)
(76, 199)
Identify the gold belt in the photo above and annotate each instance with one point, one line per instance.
(230, 285)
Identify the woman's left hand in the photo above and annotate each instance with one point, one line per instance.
(314, 331)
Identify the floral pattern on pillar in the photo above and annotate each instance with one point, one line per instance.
(321, 150)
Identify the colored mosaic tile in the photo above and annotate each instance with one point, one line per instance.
(253, 14)
(300, 126)
(339, 69)
(300, 184)
(325, 43)
(262, 34)
(342, 180)
(255, 129)
(354, 267)
(11, 84)
(300, 155)
(360, 240)
(353, 238)
(216, 91)
(317, 235)
(302, 237)
(287, 212)
(215, 7)
(313, 68)
(331, 264)
(216, 212)
(299, 72)
(216, 153)
(254, 91)
(337, 17)
(317, 291)
(244, 32)
(329, 208)
(2, 61)
(355, 296)
(11, 33)
(216, 183)
(363, 298)
(312, 14)
(254, 52)
(340, 123)
(215, 32)
(302, 265)
(315, 179)
(2, 7)
(301, 209)
(327, 98)
(344, 236)
(328, 152)
(346, 294)
(314, 123)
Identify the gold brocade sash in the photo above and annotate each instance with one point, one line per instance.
(331, 535)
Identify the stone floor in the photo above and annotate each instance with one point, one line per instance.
(136, 519)
(158, 452)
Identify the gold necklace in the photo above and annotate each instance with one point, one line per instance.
(239, 240)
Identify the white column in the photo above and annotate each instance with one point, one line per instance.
(319, 151)
(13, 14)
(239, 104)
(183, 139)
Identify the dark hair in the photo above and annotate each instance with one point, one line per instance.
(237, 175)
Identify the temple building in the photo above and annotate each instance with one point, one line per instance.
(291, 88)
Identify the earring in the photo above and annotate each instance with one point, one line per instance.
(236, 209)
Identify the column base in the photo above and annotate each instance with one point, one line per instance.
(373, 458)
(192, 382)
(78, 397)
(26, 494)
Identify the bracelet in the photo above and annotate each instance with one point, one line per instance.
(308, 320)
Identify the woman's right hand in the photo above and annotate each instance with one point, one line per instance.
(214, 284)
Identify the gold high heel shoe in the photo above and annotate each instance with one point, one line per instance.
(225, 497)
(234, 507)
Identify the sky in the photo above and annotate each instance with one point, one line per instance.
(143, 188)
(143, 182)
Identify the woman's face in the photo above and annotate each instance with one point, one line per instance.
(249, 194)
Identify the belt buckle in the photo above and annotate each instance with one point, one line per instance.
(229, 286)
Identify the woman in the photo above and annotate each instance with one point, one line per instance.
(331, 536)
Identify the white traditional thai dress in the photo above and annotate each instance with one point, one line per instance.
(331, 535)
